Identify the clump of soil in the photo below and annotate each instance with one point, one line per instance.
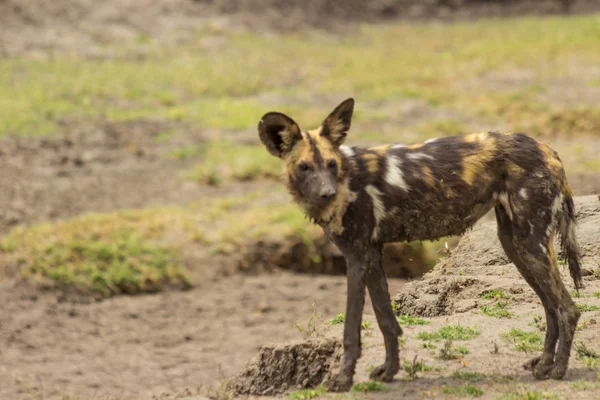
(281, 368)
(478, 263)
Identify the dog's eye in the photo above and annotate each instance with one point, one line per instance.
(331, 164)
(303, 166)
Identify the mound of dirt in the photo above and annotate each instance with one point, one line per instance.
(281, 368)
(478, 264)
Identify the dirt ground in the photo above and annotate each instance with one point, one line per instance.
(451, 294)
(40, 27)
(178, 344)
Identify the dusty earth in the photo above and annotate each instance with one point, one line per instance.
(41, 27)
(178, 344)
(452, 294)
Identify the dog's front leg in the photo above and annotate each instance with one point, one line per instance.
(357, 269)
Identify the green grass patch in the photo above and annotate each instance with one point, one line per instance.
(410, 320)
(450, 352)
(522, 394)
(586, 307)
(365, 325)
(452, 332)
(225, 160)
(369, 386)
(111, 254)
(597, 294)
(338, 319)
(524, 341)
(493, 294)
(497, 310)
(305, 394)
(463, 391)
(412, 368)
(577, 294)
(469, 376)
(254, 73)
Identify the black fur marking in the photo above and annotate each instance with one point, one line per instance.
(317, 157)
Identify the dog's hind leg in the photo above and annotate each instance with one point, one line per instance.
(541, 365)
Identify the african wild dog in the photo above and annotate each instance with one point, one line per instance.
(365, 197)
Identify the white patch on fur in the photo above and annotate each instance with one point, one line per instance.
(531, 227)
(347, 150)
(544, 250)
(523, 193)
(398, 146)
(430, 140)
(378, 208)
(418, 156)
(557, 204)
(539, 174)
(502, 198)
(393, 173)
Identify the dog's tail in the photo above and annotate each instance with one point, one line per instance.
(570, 247)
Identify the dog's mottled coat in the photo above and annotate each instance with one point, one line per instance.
(365, 197)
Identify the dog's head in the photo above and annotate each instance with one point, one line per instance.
(313, 163)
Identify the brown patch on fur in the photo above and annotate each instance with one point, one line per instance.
(427, 176)
(371, 160)
(381, 150)
(334, 213)
(475, 166)
(551, 158)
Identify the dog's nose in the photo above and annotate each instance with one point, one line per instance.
(327, 193)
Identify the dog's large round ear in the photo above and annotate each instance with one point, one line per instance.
(337, 124)
(279, 133)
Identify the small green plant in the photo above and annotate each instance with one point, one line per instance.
(365, 325)
(522, 394)
(402, 341)
(369, 386)
(597, 294)
(410, 320)
(524, 341)
(311, 329)
(338, 319)
(452, 332)
(582, 384)
(589, 357)
(413, 367)
(306, 394)
(463, 390)
(584, 351)
(589, 362)
(468, 376)
(494, 294)
(538, 322)
(450, 352)
(395, 307)
(586, 307)
(497, 310)
(577, 294)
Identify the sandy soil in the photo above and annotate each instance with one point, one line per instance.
(451, 294)
(176, 344)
